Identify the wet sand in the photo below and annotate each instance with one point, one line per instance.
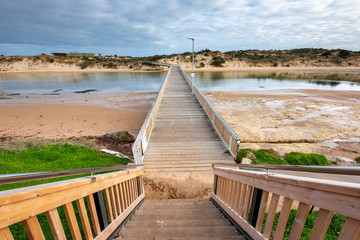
(65, 116)
(312, 121)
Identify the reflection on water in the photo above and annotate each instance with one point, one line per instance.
(250, 81)
(41, 83)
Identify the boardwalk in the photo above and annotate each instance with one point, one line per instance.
(182, 139)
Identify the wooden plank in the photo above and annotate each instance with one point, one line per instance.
(242, 199)
(239, 220)
(343, 204)
(55, 224)
(262, 208)
(117, 198)
(228, 197)
(93, 214)
(72, 222)
(235, 192)
(33, 229)
(6, 234)
(108, 205)
(248, 202)
(123, 187)
(299, 221)
(113, 202)
(122, 200)
(321, 224)
(351, 230)
(271, 214)
(283, 219)
(84, 219)
(238, 198)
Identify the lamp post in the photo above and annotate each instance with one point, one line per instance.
(192, 72)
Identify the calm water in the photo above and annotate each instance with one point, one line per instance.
(242, 81)
(64, 83)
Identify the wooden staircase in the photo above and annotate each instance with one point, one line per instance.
(179, 219)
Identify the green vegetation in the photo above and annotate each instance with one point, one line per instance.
(269, 156)
(333, 232)
(217, 61)
(52, 157)
(357, 159)
(297, 158)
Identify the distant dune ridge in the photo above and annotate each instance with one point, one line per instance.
(204, 60)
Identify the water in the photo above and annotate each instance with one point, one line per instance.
(242, 81)
(113, 82)
(65, 83)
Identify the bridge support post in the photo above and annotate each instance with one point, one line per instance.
(255, 205)
(100, 210)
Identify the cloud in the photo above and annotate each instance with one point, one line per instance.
(141, 28)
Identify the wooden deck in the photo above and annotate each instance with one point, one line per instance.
(182, 139)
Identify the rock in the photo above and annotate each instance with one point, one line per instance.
(345, 159)
(117, 154)
(246, 161)
(251, 156)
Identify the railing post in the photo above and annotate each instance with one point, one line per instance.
(138, 186)
(100, 209)
(215, 184)
(255, 205)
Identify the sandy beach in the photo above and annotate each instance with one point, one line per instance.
(65, 116)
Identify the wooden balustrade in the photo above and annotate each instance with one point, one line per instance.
(246, 195)
(142, 140)
(102, 203)
(225, 132)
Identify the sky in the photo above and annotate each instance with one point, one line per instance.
(144, 28)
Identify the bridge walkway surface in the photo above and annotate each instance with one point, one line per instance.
(182, 139)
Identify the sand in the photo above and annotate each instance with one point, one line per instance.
(65, 116)
(312, 121)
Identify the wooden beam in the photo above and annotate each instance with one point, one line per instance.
(6, 234)
(93, 214)
(351, 230)
(84, 219)
(283, 219)
(271, 214)
(33, 229)
(55, 224)
(299, 221)
(321, 224)
(72, 222)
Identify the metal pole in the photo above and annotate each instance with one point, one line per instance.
(192, 72)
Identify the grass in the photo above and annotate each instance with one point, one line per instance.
(333, 232)
(38, 157)
(269, 156)
(52, 157)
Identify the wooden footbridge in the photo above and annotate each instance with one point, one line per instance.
(182, 133)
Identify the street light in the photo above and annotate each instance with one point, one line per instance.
(192, 72)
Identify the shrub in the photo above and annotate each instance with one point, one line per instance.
(242, 153)
(344, 53)
(265, 156)
(297, 158)
(357, 159)
(217, 61)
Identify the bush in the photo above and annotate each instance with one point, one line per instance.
(217, 61)
(344, 53)
(265, 156)
(357, 159)
(297, 158)
(242, 153)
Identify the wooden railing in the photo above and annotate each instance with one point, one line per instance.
(102, 203)
(245, 195)
(143, 137)
(225, 132)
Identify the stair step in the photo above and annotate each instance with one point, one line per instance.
(180, 223)
(235, 236)
(186, 216)
(171, 232)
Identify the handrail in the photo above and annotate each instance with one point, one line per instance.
(31, 176)
(142, 139)
(231, 139)
(246, 195)
(299, 168)
(103, 204)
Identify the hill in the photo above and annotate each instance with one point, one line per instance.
(204, 59)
